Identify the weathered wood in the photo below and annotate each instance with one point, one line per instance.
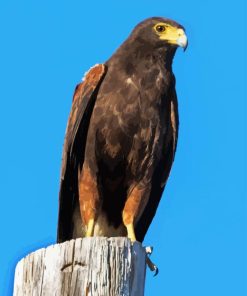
(90, 266)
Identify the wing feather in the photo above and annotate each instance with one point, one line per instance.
(162, 171)
(74, 145)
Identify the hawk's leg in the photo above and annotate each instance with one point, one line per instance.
(134, 206)
(88, 198)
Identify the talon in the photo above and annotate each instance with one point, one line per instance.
(150, 264)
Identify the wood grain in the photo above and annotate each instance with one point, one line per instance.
(95, 266)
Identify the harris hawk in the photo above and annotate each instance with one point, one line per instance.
(121, 137)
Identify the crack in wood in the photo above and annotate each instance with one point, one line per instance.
(70, 267)
(66, 266)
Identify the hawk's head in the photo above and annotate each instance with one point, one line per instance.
(159, 31)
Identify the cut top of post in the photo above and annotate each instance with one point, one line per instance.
(95, 266)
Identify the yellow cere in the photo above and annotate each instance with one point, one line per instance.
(169, 33)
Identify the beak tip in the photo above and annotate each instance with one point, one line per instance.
(185, 47)
(183, 42)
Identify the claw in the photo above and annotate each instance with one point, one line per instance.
(150, 264)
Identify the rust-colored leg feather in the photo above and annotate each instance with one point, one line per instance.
(89, 199)
(133, 208)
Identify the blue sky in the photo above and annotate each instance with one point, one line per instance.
(199, 232)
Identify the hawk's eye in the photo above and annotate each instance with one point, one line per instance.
(160, 28)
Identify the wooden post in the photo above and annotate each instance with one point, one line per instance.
(95, 266)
